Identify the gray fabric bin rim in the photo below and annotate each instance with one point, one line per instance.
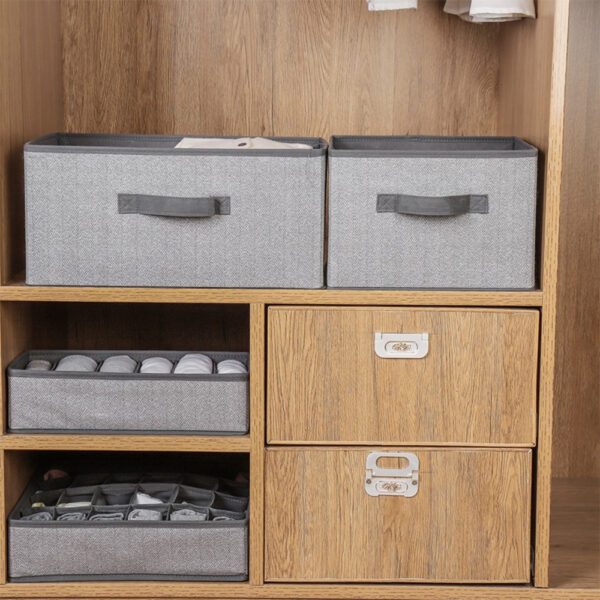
(421, 146)
(17, 367)
(100, 143)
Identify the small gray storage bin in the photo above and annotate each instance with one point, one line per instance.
(133, 210)
(95, 402)
(81, 547)
(431, 212)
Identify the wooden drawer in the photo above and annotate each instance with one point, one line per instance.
(476, 385)
(468, 522)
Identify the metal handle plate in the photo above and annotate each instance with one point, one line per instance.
(380, 481)
(401, 345)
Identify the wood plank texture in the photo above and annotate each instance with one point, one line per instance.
(129, 443)
(469, 521)
(577, 382)
(257, 437)
(229, 67)
(477, 384)
(575, 533)
(339, 68)
(272, 296)
(31, 103)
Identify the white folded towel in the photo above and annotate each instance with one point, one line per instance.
(246, 143)
(490, 11)
(392, 4)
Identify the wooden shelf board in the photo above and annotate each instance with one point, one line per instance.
(20, 292)
(132, 443)
(156, 589)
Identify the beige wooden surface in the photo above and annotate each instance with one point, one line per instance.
(477, 384)
(577, 382)
(469, 521)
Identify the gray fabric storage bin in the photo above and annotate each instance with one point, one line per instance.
(53, 401)
(126, 550)
(431, 212)
(84, 195)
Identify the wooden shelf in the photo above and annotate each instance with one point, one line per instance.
(132, 443)
(157, 589)
(21, 292)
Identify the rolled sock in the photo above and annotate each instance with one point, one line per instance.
(76, 362)
(118, 364)
(144, 514)
(116, 516)
(74, 505)
(40, 516)
(221, 518)
(156, 364)
(392, 4)
(73, 516)
(186, 514)
(141, 498)
(38, 365)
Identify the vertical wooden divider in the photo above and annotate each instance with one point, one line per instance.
(257, 441)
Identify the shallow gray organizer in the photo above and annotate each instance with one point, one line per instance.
(431, 212)
(132, 210)
(59, 401)
(118, 548)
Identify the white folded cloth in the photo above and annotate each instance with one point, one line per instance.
(246, 143)
(491, 11)
(392, 4)
(141, 498)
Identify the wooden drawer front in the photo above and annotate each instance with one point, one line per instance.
(476, 386)
(469, 521)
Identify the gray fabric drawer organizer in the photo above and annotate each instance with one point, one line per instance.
(72, 550)
(431, 212)
(53, 401)
(132, 210)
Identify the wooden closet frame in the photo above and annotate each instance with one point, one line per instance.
(530, 113)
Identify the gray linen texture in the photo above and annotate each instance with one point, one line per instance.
(191, 551)
(272, 238)
(46, 401)
(383, 250)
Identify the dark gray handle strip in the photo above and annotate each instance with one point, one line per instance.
(173, 206)
(432, 206)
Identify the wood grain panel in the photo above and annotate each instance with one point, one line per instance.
(150, 66)
(477, 385)
(31, 103)
(339, 68)
(577, 403)
(469, 521)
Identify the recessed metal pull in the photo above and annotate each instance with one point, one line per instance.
(401, 345)
(380, 481)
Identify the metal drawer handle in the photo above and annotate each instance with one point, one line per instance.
(401, 345)
(392, 482)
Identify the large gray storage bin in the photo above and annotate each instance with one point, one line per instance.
(125, 210)
(95, 402)
(431, 212)
(72, 550)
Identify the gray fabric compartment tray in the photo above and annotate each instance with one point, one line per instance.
(431, 212)
(268, 231)
(125, 550)
(51, 401)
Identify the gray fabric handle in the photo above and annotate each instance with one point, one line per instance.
(432, 206)
(173, 206)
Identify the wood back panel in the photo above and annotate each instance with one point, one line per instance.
(577, 378)
(266, 67)
(31, 103)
